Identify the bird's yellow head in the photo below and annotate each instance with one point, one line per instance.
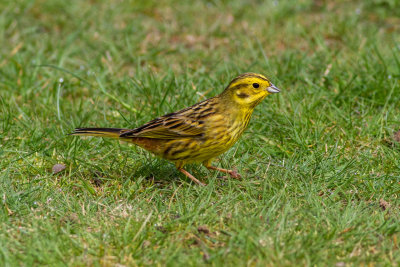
(249, 89)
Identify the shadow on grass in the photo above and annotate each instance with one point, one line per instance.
(151, 172)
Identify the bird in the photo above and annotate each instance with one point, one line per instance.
(199, 133)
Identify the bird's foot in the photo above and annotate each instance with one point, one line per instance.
(232, 173)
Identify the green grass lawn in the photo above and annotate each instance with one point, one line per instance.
(320, 161)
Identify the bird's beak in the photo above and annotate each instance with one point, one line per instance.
(273, 89)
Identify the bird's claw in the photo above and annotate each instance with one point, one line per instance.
(234, 174)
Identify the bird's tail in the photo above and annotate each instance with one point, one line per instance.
(100, 132)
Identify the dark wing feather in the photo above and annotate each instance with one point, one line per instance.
(188, 122)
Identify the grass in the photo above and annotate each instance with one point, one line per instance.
(320, 160)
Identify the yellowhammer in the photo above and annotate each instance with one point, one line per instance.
(201, 132)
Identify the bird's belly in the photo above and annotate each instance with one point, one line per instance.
(192, 150)
(199, 150)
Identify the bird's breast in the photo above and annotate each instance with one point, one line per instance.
(238, 124)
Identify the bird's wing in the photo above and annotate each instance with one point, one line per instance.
(188, 122)
(168, 128)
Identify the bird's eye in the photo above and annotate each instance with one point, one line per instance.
(256, 85)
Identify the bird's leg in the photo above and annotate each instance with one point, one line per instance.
(185, 172)
(232, 173)
(179, 166)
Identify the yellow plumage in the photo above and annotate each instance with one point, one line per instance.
(201, 132)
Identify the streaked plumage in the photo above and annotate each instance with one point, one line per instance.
(201, 132)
